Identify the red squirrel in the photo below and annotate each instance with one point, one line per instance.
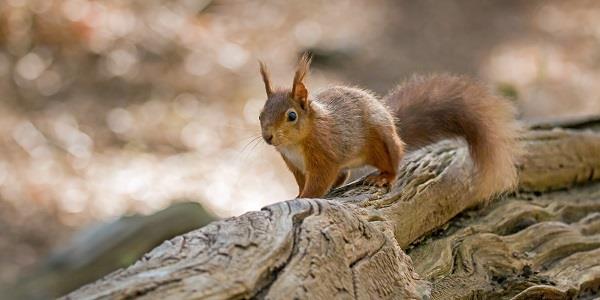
(323, 135)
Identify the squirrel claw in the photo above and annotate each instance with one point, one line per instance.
(377, 180)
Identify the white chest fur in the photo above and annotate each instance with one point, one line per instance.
(294, 155)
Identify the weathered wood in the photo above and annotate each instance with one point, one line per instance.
(577, 122)
(348, 246)
(524, 247)
(559, 159)
(288, 249)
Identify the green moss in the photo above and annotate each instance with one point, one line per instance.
(508, 91)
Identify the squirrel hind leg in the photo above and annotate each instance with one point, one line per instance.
(385, 152)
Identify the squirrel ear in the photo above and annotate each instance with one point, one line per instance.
(265, 76)
(299, 92)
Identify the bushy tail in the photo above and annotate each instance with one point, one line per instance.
(431, 108)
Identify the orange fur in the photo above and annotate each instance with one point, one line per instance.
(344, 127)
(265, 76)
(431, 108)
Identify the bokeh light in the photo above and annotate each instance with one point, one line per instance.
(117, 107)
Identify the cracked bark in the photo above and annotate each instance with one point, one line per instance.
(543, 241)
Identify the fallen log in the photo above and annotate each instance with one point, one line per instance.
(526, 247)
(350, 245)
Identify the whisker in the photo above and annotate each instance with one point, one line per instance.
(252, 140)
(259, 142)
(248, 148)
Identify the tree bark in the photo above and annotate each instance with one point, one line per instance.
(349, 246)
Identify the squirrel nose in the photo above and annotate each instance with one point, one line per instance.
(268, 138)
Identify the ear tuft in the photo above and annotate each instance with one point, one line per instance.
(265, 77)
(299, 91)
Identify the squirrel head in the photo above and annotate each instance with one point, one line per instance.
(286, 115)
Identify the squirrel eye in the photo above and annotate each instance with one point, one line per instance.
(292, 116)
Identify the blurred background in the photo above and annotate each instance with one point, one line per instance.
(113, 108)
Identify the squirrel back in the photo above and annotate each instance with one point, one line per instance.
(430, 108)
(348, 113)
